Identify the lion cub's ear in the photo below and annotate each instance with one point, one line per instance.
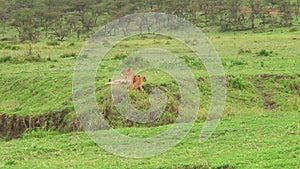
(136, 78)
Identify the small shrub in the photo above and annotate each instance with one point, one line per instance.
(52, 66)
(10, 162)
(8, 47)
(120, 57)
(2, 45)
(69, 55)
(292, 86)
(17, 60)
(192, 61)
(139, 100)
(53, 43)
(263, 52)
(39, 132)
(237, 63)
(72, 44)
(15, 48)
(23, 59)
(156, 42)
(48, 58)
(293, 29)
(33, 59)
(5, 59)
(242, 51)
(236, 82)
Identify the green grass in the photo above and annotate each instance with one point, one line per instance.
(37, 88)
(260, 128)
(268, 140)
(282, 43)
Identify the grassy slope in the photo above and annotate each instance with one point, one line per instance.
(37, 88)
(283, 44)
(257, 141)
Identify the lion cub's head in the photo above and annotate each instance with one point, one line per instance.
(137, 82)
(138, 78)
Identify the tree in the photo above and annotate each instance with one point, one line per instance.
(26, 24)
(60, 29)
(286, 17)
(3, 18)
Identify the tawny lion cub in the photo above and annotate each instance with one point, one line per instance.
(137, 82)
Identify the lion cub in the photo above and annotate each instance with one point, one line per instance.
(137, 82)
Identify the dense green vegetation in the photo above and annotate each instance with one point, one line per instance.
(33, 20)
(35, 88)
(40, 41)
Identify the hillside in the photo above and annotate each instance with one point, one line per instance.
(261, 69)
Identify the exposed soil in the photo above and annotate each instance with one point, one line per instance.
(13, 126)
(269, 105)
(277, 77)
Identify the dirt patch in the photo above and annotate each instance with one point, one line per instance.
(268, 104)
(13, 126)
(6, 39)
(277, 77)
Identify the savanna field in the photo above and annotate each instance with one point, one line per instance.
(260, 125)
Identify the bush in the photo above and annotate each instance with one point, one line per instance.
(236, 82)
(139, 100)
(293, 29)
(120, 57)
(237, 63)
(17, 60)
(2, 45)
(7, 47)
(292, 86)
(72, 44)
(5, 59)
(192, 61)
(15, 48)
(69, 55)
(20, 60)
(34, 59)
(264, 52)
(53, 43)
(242, 51)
